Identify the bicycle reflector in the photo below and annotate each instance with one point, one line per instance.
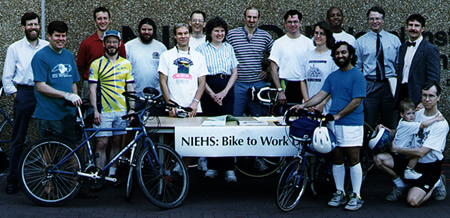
(323, 140)
(380, 141)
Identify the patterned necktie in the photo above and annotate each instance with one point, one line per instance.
(380, 60)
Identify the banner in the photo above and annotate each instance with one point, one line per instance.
(234, 141)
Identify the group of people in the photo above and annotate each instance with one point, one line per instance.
(211, 70)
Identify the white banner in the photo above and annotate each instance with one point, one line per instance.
(234, 141)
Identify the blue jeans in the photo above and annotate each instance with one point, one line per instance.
(243, 103)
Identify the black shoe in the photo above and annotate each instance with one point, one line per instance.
(11, 188)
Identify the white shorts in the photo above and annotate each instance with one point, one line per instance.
(349, 136)
(112, 120)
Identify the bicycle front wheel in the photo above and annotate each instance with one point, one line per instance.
(166, 183)
(291, 185)
(45, 183)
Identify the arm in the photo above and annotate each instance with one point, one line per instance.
(276, 81)
(93, 100)
(429, 122)
(165, 92)
(433, 64)
(8, 73)
(221, 95)
(304, 90)
(322, 104)
(411, 152)
(354, 103)
(198, 95)
(316, 99)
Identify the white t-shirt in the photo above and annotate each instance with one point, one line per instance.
(183, 68)
(433, 137)
(316, 68)
(195, 42)
(343, 36)
(405, 134)
(144, 59)
(287, 53)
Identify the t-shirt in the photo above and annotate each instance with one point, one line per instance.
(287, 53)
(111, 82)
(249, 53)
(316, 68)
(405, 134)
(59, 71)
(433, 137)
(344, 86)
(183, 68)
(144, 59)
(195, 42)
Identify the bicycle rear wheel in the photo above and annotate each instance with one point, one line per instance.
(165, 184)
(291, 185)
(258, 166)
(5, 134)
(41, 181)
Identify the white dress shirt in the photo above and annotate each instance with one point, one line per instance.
(409, 55)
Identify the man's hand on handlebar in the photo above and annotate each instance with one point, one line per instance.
(297, 107)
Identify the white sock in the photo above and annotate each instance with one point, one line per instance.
(356, 177)
(339, 176)
(112, 171)
(399, 182)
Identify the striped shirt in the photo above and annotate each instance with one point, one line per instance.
(112, 80)
(218, 61)
(250, 53)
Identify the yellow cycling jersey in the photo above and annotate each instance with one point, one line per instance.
(111, 82)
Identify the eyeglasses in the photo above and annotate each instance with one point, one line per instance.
(197, 21)
(372, 19)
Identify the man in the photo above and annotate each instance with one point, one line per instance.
(109, 77)
(144, 53)
(55, 77)
(18, 82)
(250, 44)
(418, 62)
(182, 73)
(335, 17)
(347, 89)
(430, 145)
(287, 50)
(377, 53)
(197, 24)
(92, 47)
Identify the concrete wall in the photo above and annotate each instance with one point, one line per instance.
(78, 15)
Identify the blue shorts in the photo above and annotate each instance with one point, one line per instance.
(112, 120)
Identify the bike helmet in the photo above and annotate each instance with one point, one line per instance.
(323, 140)
(380, 140)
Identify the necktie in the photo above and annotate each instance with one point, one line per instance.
(408, 43)
(380, 60)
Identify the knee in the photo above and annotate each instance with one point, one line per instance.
(413, 201)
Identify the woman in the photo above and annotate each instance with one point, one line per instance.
(219, 98)
(318, 64)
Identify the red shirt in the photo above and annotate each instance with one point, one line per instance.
(91, 49)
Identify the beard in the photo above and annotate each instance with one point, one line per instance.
(144, 38)
(111, 53)
(344, 63)
(30, 35)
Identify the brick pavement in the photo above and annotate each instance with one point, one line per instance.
(215, 198)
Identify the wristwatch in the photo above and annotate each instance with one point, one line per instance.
(280, 89)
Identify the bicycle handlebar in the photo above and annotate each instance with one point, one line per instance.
(313, 115)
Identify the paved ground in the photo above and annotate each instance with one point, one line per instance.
(214, 198)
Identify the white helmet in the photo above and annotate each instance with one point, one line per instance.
(380, 141)
(323, 140)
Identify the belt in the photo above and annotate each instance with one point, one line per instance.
(221, 76)
(26, 87)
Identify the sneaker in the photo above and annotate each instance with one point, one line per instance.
(211, 173)
(397, 193)
(202, 164)
(229, 176)
(177, 169)
(440, 193)
(338, 199)
(412, 174)
(260, 165)
(355, 202)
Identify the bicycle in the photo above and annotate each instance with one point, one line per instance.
(52, 170)
(6, 125)
(294, 178)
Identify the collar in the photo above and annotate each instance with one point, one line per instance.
(418, 41)
(382, 33)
